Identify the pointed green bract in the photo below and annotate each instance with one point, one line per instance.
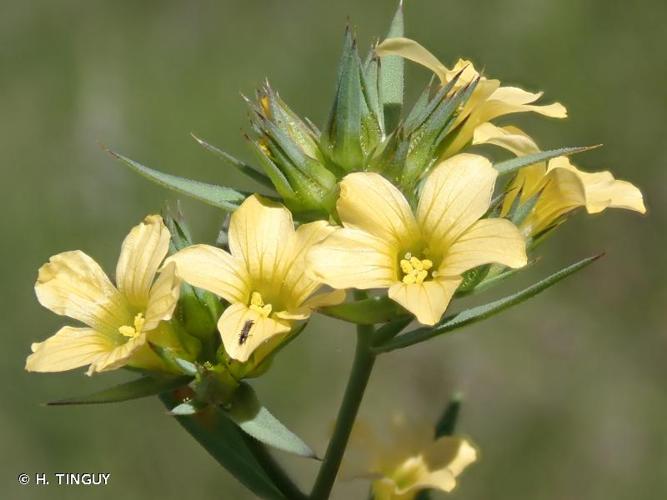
(511, 166)
(479, 313)
(139, 388)
(217, 196)
(225, 442)
(392, 75)
(250, 415)
(171, 359)
(246, 169)
(446, 424)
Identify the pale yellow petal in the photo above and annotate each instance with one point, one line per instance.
(506, 100)
(413, 51)
(212, 269)
(371, 203)
(233, 321)
(163, 297)
(428, 300)
(353, 259)
(297, 285)
(258, 231)
(603, 190)
(325, 299)
(69, 348)
(563, 192)
(72, 284)
(456, 194)
(446, 458)
(118, 357)
(628, 196)
(487, 241)
(141, 254)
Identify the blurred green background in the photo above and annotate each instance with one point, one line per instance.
(565, 395)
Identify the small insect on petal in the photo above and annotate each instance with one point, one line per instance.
(245, 331)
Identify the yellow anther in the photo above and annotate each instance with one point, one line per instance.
(406, 267)
(257, 305)
(415, 270)
(133, 331)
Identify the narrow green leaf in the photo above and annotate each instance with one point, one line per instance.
(366, 312)
(479, 313)
(224, 441)
(248, 413)
(511, 166)
(248, 170)
(139, 388)
(392, 69)
(218, 196)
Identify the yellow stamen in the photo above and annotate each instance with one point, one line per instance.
(133, 331)
(415, 270)
(257, 305)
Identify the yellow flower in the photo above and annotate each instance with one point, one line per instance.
(118, 319)
(488, 101)
(410, 461)
(263, 278)
(562, 187)
(419, 257)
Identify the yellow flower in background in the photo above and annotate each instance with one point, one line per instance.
(406, 459)
(489, 100)
(262, 277)
(419, 257)
(118, 319)
(562, 187)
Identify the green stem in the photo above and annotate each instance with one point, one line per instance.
(354, 392)
(277, 474)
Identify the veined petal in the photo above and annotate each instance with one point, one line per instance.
(350, 258)
(72, 284)
(487, 241)
(371, 203)
(456, 194)
(141, 254)
(563, 192)
(297, 284)
(212, 269)
(258, 231)
(413, 51)
(163, 297)
(117, 357)
(233, 321)
(69, 348)
(428, 300)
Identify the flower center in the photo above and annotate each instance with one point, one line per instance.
(415, 270)
(257, 305)
(135, 330)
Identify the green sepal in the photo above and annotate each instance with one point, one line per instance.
(475, 314)
(370, 311)
(225, 442)
(514, 164)
(243, 167)
(135, 389)
(341, 138)
(173, 361)
(392, 76)
(472, 278)
(252, 417)
(495, 275)
(217, 196)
